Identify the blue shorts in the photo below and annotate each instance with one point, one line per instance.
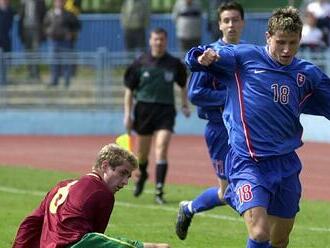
(271, 183)
(216, 138)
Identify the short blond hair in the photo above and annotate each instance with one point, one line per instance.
(285, 19)
(116, 156)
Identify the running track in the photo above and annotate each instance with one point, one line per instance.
(189, 163)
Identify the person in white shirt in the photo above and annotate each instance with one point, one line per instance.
(312, 36)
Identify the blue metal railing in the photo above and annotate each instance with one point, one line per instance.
(104, 30)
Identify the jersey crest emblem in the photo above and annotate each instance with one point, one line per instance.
(301, 78)
(169, 76)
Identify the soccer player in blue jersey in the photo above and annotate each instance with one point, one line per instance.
(272, 88)
(209, 95)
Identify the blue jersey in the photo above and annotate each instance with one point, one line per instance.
(207, 92)
(266, 99)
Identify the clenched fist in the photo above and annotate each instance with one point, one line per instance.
(208, 57)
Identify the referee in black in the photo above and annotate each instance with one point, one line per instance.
(150, 106)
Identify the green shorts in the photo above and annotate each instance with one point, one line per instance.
(99, 240)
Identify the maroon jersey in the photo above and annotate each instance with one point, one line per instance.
(69, 211)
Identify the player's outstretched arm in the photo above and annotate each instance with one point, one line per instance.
(199, 58)
(191, 58)
(208, 57)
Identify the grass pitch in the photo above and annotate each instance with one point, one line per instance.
(21, 190)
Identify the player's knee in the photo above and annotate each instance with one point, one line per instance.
(259, 234)
(257, 223)
(221, 195)
(280, 243)
(222, 188)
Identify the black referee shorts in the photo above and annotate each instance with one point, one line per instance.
(150, 117)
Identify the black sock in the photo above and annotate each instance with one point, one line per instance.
(161, 170)
(143, 167)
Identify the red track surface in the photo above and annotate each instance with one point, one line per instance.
(189, 163)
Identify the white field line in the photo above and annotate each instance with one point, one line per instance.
(157, 207)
